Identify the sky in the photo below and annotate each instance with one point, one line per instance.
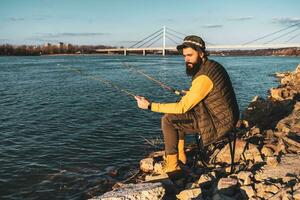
(125, 22)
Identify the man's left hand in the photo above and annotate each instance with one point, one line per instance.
(142, 102)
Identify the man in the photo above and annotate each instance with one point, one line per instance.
(209, 107)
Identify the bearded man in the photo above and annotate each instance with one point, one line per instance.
(208, 108)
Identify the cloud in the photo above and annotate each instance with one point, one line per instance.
(212, 26)
(68, 34)
(246, 18)
(287, 20)
(14, 19)
(33, 17)
(40, 17)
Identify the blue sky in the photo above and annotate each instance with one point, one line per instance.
(123, 22)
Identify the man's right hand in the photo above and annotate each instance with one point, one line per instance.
(142, 102)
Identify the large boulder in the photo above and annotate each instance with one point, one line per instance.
(142, 191)
(291, 122)
(265, 114)
(288, 166)
(243, 150)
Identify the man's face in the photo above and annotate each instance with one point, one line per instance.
(192, 60)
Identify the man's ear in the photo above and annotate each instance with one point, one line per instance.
(201, 54)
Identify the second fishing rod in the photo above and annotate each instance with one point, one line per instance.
(171, 89)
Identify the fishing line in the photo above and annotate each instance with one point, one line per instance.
(103, 81)
(180, 93)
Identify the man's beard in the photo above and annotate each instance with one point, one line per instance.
(192, 71)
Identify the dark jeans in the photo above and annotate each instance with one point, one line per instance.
(174, 126)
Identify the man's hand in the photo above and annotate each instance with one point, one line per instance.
(142, 102)
(184, 91)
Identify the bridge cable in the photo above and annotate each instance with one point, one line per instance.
(271, 34)
(186, 35)
(155, 41)
(293, 37)
(150, 40)
(282, 35)
(175, 35)
(176, 32)
(172, 40)
(145, 38)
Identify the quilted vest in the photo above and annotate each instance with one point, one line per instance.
(218, 112)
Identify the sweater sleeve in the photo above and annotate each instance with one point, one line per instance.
(201, 86)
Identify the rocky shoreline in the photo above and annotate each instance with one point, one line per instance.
(267, 157)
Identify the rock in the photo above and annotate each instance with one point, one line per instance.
(224, 155)
(256, 98)
(243, 149)
(282, 75)
(189, 194)
(280, 148)
(287, 196)
(227, 186)
(146, 165)
(153, 191)
(266, 113)
(112, 171)
(117, 185)
(158, 168)
(245, 177)
(246, 123)
(269, 133)
(219, 196)
(205, 179)
(289, 165)
(267, 152)
(248, 192)
(160, 177)
(253, 154)
(276, 93)
(271, 188)
(287, 179)
(291, 121)
(271, 161)
(296, 194)
(254, 130)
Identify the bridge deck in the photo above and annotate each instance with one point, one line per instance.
(216, 47)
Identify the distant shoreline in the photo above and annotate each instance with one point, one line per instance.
(290, 51)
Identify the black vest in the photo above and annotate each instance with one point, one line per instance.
(218, 112)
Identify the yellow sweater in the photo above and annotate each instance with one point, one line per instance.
(201, 86)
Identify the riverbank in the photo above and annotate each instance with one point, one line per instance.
(68, 49)
(267, 156)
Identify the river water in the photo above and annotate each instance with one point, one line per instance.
(60, 130)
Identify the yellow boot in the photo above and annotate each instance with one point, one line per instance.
(181, 153)
(171, 164)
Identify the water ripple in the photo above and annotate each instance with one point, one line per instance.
(59, 130)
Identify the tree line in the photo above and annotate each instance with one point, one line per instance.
(61, 48)
(289, 51)
(48, 49)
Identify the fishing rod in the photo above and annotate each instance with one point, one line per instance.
(180, 93)
(106, 82)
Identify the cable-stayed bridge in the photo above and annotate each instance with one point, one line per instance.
(146, 45)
